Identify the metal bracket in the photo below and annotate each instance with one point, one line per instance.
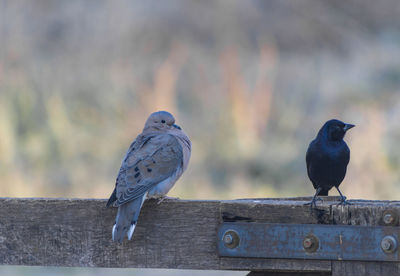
(309, 241)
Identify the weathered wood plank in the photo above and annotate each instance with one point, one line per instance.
(364, 268)
(278, 211)
(57, 232)
(173, 234)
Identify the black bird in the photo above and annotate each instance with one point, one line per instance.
(327, 158)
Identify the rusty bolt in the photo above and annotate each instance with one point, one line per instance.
(389, 244)
(307, 243)
(310, 243)
(231, 239)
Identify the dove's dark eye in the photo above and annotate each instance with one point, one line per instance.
(163, 121)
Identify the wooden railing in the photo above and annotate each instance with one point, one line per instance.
(180, 234)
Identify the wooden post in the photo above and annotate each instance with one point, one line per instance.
(179, 234)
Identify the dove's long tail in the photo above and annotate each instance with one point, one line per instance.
(127, 217)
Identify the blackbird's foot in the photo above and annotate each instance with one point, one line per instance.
(343, 200)
(314, 199)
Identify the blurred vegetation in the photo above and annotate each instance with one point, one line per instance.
(250, 82)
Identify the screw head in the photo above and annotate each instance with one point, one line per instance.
(389, 244)
(231, 239)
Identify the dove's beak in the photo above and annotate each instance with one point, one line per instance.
(348, 126)
(176, 126)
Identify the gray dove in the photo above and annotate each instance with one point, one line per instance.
(152, 165)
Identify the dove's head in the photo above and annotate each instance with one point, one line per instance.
(161, 120)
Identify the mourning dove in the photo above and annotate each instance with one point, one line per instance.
(152, 165)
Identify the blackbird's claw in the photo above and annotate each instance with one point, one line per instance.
(343, 201)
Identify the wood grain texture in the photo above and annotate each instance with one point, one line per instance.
(174, 234)
(270, 265)
(364, 268)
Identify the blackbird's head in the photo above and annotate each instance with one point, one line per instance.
(335, 130)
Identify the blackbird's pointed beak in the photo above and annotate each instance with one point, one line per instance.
(348, 126)
(176, 126)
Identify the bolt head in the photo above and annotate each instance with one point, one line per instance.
(386, 245)
(388, 219)
(231, 239)
(389, 244)
(310, 243)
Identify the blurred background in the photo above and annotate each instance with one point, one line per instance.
(251, 83)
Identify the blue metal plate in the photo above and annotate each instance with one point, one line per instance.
(335, 242)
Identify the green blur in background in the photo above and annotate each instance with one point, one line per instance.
(250, 82)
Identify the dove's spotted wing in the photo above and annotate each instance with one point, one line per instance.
(155, 159)
(113, 196)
